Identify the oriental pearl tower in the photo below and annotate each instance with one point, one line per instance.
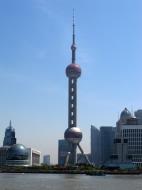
(73, 134)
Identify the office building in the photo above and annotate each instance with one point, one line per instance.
(46, 159)
(133, 133)
(3, 155)
(33, 157)
(63, 150)
(138, 115)
(9, 138)
(12, 154)
(128, 141)
(107, 135)
(95, 146)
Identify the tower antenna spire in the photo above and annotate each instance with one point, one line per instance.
(73, 28)
(73, 47)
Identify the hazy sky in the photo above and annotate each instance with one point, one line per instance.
(35, 40)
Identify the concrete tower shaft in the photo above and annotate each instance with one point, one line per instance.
(73, 71)
(72, 103)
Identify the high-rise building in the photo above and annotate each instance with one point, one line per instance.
(73, 134)
(133, 134)
(120, 147)
(124, 116)
(107, 134)
(128, 141)
(9, 138)
(63, 150)
(46, 159)
(138, 115)
(3, 155)
(95, 145)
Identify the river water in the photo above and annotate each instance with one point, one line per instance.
(69, 182)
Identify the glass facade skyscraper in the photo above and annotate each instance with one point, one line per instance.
(107, 134)
(9, 138)
(63, 149)
(95, 145)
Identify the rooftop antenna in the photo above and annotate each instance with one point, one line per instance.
(132, 111)
(10, 124)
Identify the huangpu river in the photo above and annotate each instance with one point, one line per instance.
(69, 182)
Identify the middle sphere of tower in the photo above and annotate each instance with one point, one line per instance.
(73, 70)
(73, 135)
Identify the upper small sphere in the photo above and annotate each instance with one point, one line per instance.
(73, 47)
(73, 70)
(73, 135)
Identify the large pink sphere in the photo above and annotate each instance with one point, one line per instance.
(73, 70)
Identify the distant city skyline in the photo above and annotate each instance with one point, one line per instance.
(35, 43)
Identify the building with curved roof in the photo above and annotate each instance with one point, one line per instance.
(17, 154)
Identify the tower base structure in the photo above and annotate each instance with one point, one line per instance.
(73, 136)
(71, 158)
